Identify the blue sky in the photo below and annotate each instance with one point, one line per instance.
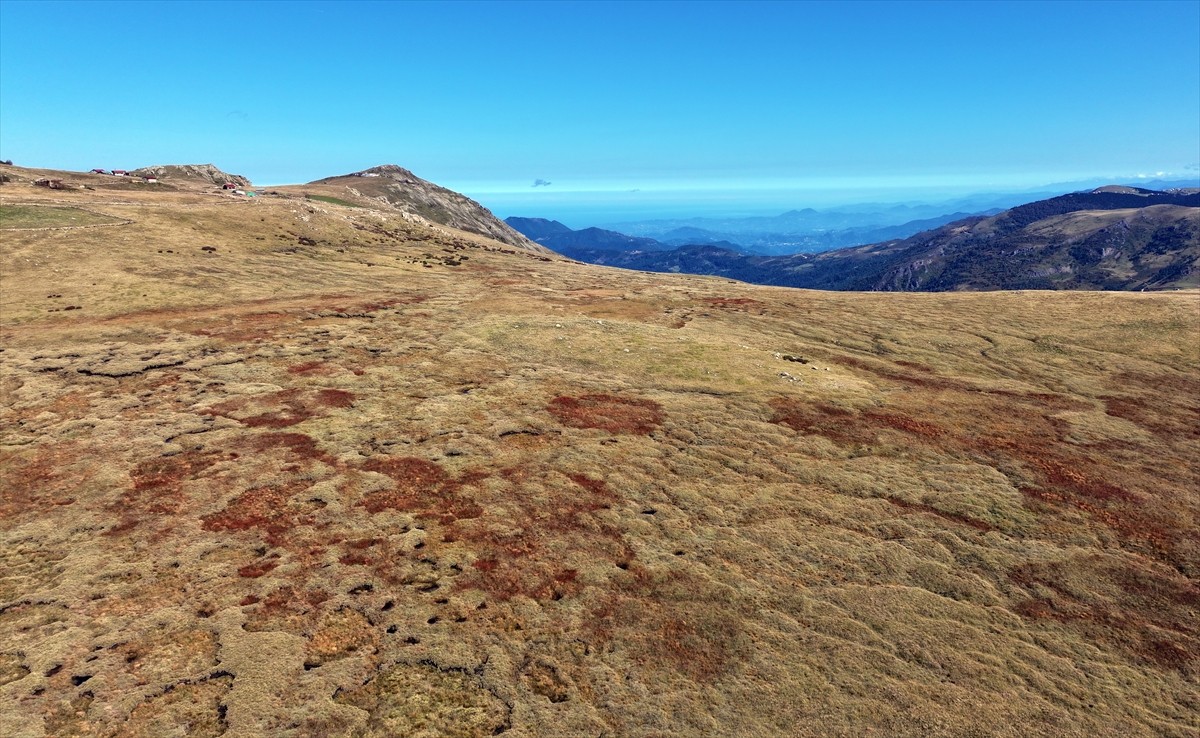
(722, 100)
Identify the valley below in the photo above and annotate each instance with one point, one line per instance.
(308, 464)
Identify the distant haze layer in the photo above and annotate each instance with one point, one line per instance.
(580, 208)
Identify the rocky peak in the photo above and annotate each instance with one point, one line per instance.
(407, 192)
(206, 173)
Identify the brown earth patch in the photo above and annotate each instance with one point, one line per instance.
(269, 509)
(951, 516)
(1144, 609)
(281, 409)
(1030, 447)
(158, 487)
(288, 609)
(670, 621)
(34, 481)
(740, 304)
(607, 412)
(527, 558)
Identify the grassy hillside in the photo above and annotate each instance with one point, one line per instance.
(284, 467)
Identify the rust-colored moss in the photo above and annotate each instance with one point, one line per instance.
(415, 479)
(282, 409)
(258, 568)
(268, 509)
(608, 412)
(525, 561)
(1151, 616)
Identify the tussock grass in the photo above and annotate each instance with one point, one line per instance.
(45, 216)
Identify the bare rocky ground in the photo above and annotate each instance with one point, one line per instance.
(288, 468)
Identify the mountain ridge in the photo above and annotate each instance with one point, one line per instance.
(402, 189)
(1154, 243)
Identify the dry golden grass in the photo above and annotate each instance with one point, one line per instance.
(340, 474)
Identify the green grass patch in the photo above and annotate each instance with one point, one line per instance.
(41, 216)
(332, 200)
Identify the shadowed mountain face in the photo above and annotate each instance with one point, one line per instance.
(537, 228)
(291, 467)
(402, 189)
(1109, 239)
(557, 237)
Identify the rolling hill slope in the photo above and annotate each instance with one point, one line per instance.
(402, 189)
(284, 467)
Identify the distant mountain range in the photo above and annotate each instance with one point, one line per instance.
(797, 231)
(1112, 238)
(809, 230)
(560, 238)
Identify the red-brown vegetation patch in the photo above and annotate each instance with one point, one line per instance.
(835, 423)
(1015, 433)
(929, 380)
(1174, 423)
(915, 365)
(926, 380)
(373, 306)
(312, 367)
(269, 509)
(416, 480)
(670, 621)
(289, 609)
(607, 412)
(740, 304)
(1147, 610)
(905, 423)
(258, 568)
(944, 514)
(529, 560)
(157, 489)
(297, 445)
(281, 409)
(30, 482)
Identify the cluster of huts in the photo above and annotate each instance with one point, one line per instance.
(122, 173)
(237, 190)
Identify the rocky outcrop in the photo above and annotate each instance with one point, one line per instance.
(406, 191)
(198, 173)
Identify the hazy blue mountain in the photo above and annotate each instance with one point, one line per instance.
(536, 228)
(556, 236)
(809, 230)
(1112, 238)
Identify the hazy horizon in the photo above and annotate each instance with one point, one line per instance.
(606, 109)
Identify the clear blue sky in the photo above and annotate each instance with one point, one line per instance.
(659, 96)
